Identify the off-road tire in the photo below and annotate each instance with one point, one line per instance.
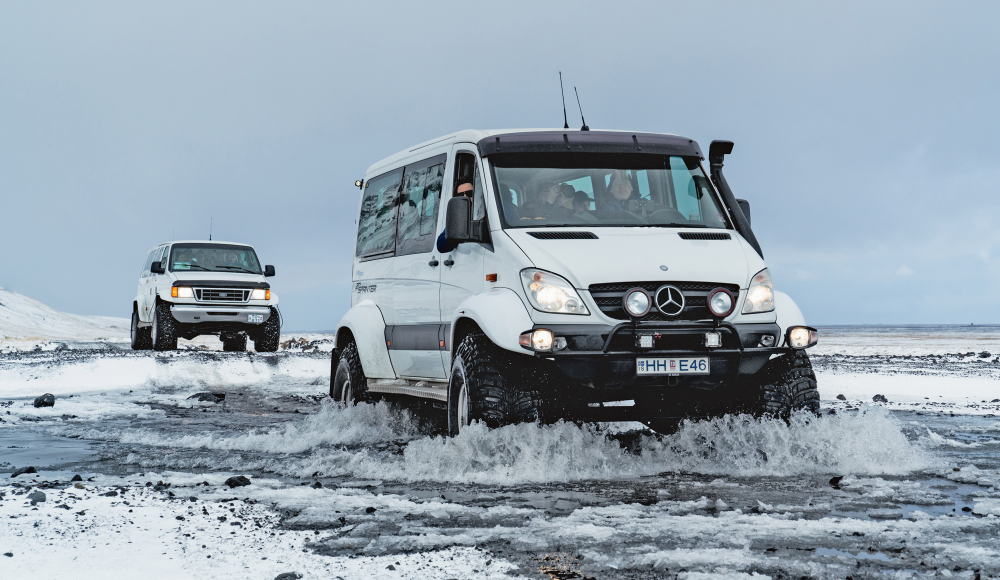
(267, 338)
(785, 385)
(164, 330)
(141, 339)
(495, 396)
(234, 342)
(348, 374)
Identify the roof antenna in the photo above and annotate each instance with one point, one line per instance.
(585, 127)
(565, 119)
(210, 228)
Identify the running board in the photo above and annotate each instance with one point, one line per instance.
(422, 389)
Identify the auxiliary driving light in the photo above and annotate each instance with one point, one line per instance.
(721, 302)
(801, 337)
(637, 302)
(713, 339)
(541, 340)
(181, 292)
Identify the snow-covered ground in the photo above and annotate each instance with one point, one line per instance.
(25, 320)
(904, 488)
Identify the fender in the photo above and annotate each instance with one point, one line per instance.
(500, 314)
(366, 323)
(788, 313)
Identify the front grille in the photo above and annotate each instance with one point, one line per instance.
(222, 294)
(563, 235)
(609, 298)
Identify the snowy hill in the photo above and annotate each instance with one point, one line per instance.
(22, 317)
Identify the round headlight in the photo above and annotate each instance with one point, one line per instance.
(802, 337)
(637, 302)
(721, 302)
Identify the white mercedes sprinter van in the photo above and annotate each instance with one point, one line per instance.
(191, 288)
(586, 275)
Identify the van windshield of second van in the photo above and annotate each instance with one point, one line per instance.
(552, 190)
(214, 258)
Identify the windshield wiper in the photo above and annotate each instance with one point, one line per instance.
(199, 266)
(237, 268)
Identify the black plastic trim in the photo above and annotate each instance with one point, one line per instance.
(417, 336)
(609, 142)
(222, 284)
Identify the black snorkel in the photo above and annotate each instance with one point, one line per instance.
(717, 152)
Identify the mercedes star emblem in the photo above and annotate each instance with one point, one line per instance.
(669, 300)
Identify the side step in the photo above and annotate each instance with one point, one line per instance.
(437, 391)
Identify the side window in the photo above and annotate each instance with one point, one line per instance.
(465, 168)
(161, 255)
(377, 222)
(418, 206)
(149, 262)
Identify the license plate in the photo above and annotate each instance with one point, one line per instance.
(672, 366)
(255, 318)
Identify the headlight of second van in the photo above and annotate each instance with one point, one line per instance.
(760, 294)
(549, 292)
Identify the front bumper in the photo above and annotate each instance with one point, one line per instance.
(604, 357)
(219, 313)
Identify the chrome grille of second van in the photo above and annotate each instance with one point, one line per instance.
(222, 294)
(609, 298)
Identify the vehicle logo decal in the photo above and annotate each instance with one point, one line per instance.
(223, 295)
(669, 300)
(664, 268)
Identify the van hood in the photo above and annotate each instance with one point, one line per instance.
(197, 277)
(640, 255)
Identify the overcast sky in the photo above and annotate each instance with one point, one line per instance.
(866, 133)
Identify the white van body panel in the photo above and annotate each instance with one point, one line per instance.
(788, 314)
(499, 313)
(366, 323)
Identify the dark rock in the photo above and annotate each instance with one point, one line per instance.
(317, 485)
(390, 567)
(180, 518)
(880, 399)
(111, 493)
(46, 400)
(238, 481)
(36, 497)
(995, 401)
(288, 576)
(76, 478)
(966, 509)
(841, 398)
(23, 470)
(222, 518)
(9, 554)
(208, 397)
(836, 480)
(369, 510)
(984, 354)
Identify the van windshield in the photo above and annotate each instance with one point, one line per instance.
(583, 189)
(214, 258)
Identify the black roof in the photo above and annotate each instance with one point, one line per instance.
(616, 142)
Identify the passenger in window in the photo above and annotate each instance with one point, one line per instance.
(621, 191)
(581, 201)
(555, 202)
(465, 188)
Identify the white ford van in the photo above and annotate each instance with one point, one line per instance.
(191, 288)
(586, 275)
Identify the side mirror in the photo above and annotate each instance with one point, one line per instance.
(745, 207)
(458, 222)
(157, 268)
(268, 271)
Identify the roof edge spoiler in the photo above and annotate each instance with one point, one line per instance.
(717, 152)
